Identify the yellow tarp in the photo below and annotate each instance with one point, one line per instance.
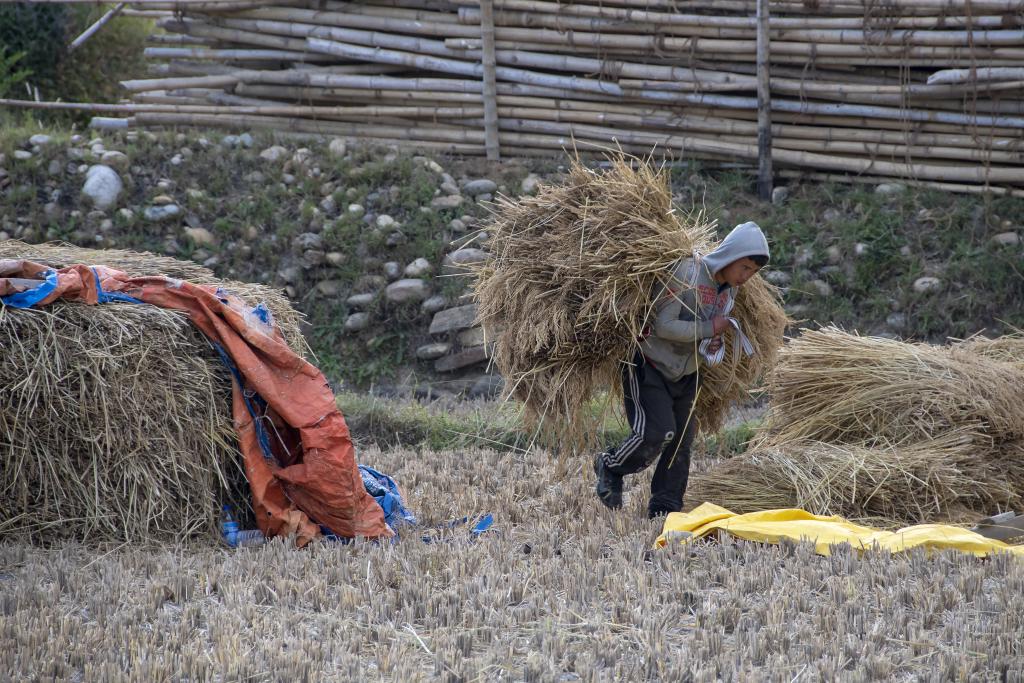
(771, 526)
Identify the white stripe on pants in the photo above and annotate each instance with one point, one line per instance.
(630, 445)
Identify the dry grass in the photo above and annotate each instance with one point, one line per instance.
(115, 421)
(879, 429)
(942, 478)
(569, 291)
(839, 387)
(562, 590)
(139, 263)
(1006, 349)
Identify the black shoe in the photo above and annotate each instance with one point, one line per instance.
(609, 484)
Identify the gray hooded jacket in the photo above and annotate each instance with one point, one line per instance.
(687, 304)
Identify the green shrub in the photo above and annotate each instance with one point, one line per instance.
(39, 32)
(10, 73)
(35, 39)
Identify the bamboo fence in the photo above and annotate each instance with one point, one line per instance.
(927, 91)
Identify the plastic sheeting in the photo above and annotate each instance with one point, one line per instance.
(771, 526)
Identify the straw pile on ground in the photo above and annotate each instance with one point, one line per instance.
(115, 421)
(569, 293)
(879, 429)
(1007, 349)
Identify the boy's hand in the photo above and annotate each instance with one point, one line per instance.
(714, 344)
(719, 324)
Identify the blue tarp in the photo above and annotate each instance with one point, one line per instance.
(31, 297)
(385, 491)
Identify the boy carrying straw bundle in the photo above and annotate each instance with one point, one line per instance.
(660, 385)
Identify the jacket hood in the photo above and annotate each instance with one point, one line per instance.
(746, 239)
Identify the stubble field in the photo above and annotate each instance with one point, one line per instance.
(559, 590)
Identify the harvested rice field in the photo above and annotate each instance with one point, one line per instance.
(559, 590)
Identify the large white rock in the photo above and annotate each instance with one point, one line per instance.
(468, 256)
(274, 154)
(418, 268)
(164, 212)
(452, 319)
(1007, 239)
(927, 284)
(357, 322)
(200, 236)
(779, 278)
(409, 289)
(103, 186)
(337, 147)
(433, 351)
(115, 159)
(890, 188)
(479, 186)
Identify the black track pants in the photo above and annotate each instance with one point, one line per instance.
(659, 416)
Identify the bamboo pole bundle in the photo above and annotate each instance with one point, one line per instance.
(958, 46)
(713, 24)
(930, 91)
(605, 11)
(233, 55)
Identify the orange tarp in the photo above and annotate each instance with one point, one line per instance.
(315, 480)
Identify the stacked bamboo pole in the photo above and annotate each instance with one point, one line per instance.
(929, 91)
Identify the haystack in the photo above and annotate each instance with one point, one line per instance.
(115, 421)
(883, 430)
(569, 292)
(139, 263)
(838, 387)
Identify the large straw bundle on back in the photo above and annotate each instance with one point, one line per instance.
(115, 421)
(875, 428)
(569, 292)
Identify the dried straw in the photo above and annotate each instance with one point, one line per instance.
(115, 420)
(838, 387)
(138, 263)
(569, 292)
(1006, 349)
(880, 429)
(920, 482)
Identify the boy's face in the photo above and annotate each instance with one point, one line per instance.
(739, 271)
